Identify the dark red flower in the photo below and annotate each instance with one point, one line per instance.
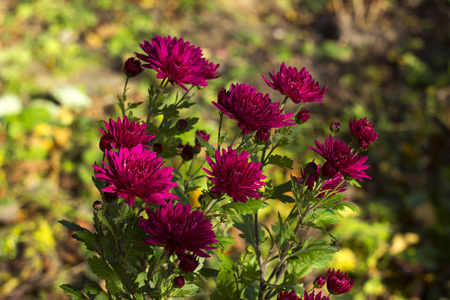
(136, 173)
(252, 110)
(298, 86)
(132, 67)
(319, 282)
(363, 131)
(181, 124)
(338, 282)
(287, 296)
(311, 177)
(179, 281)
(203, 135)
(97, 205)
(340, 159)
(187, 153)
(178, 61)
(316, 297)
(233, 175)
(302, 116)
(188, 263)
(179, 229)
(124, 134)
(262, 137)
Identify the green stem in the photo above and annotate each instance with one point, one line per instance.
(161, 88)
(124, 97)
(220, 129)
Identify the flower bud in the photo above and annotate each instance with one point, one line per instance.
(181, 124)
(187, 153)
(335, 127)
(311, 168)
(157, 148)
(109, 197)
(132, 67)
(188, 263)
(249, 250)
(105, 142)
(202, 134)
(97, 205)
(197, 149)
(262, 137)
(179, 281)
(319, 282)
(302, 116)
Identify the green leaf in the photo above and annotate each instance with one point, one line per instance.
(72, 292)
(72, 226)
(313, 251)
(187, 290)
(132, 105)
(181, 195)
(224, 241)
(140, 280)
(206, 144)
(281, 161)
(247, 227)
(104, 271)
(250, 207)
(208, 272)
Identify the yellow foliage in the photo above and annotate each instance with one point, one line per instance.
(345, 260)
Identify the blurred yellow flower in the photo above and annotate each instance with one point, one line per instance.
(345, 260)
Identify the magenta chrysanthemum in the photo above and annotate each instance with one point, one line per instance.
(336, 182)
(253, 110)
(136, 173)
(311, 296)
(338, 282)
(363, 131)
(233, 175)
(178, 61)
(124, 134)
(287, 296)
(298, 86)
(179, 229)
(340, 159)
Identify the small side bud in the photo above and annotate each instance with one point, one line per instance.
(262, 137)
(311, 168)
(319, 282)
(97, 205)
(335, 127)
(187, 153)
(249, 250)
(179, 281)
(132, 67)
(302, 116)
(181, 124)
(157, 148)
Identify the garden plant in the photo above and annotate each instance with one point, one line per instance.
(150, 241)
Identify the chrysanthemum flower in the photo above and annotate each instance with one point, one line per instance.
(178, 61)
(311, 296)
(287, 296)
(132, 67)
(136, 173)
(189, 262)
(124, 134)
(298, 86)
(363, 131)
(340, 159)
(253, 110)
(233, 175)
(179, 229)
(309, 179)
(338, 282)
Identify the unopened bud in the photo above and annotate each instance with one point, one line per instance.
(181, 124)
(179, 281)
(319, 282)
(97, 205)
(187, 153)
(132, 67)
(311, 168)
(335, 127)
(262, 137)
(302, 116)
(157, 148)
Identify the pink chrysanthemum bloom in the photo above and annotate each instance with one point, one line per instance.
(287, 296)
(233, 175)
(328, 186)
(363, 131)
(311, 296)
(340, 159)
(338, 282)
(298, 86)
(124, 134)
(179, 229)
(136, 173)
(253, 110)
(178, 61)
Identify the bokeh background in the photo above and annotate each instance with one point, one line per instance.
(388, 60)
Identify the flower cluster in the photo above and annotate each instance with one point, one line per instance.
(298, 86)
(179, 229)
(124, 134)
(178, 61)
(233, 175)
(253, 110)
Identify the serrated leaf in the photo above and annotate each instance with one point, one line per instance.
(104, 271)
(207, 145)
(72, 292)
(246, 226)
(224, 241)
(72, 226)
(187, 290)
(140, 279)
(132, 105)
(250, 207)
(281, 161)
(313, 251)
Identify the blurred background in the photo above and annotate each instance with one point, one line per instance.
(388, 60)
